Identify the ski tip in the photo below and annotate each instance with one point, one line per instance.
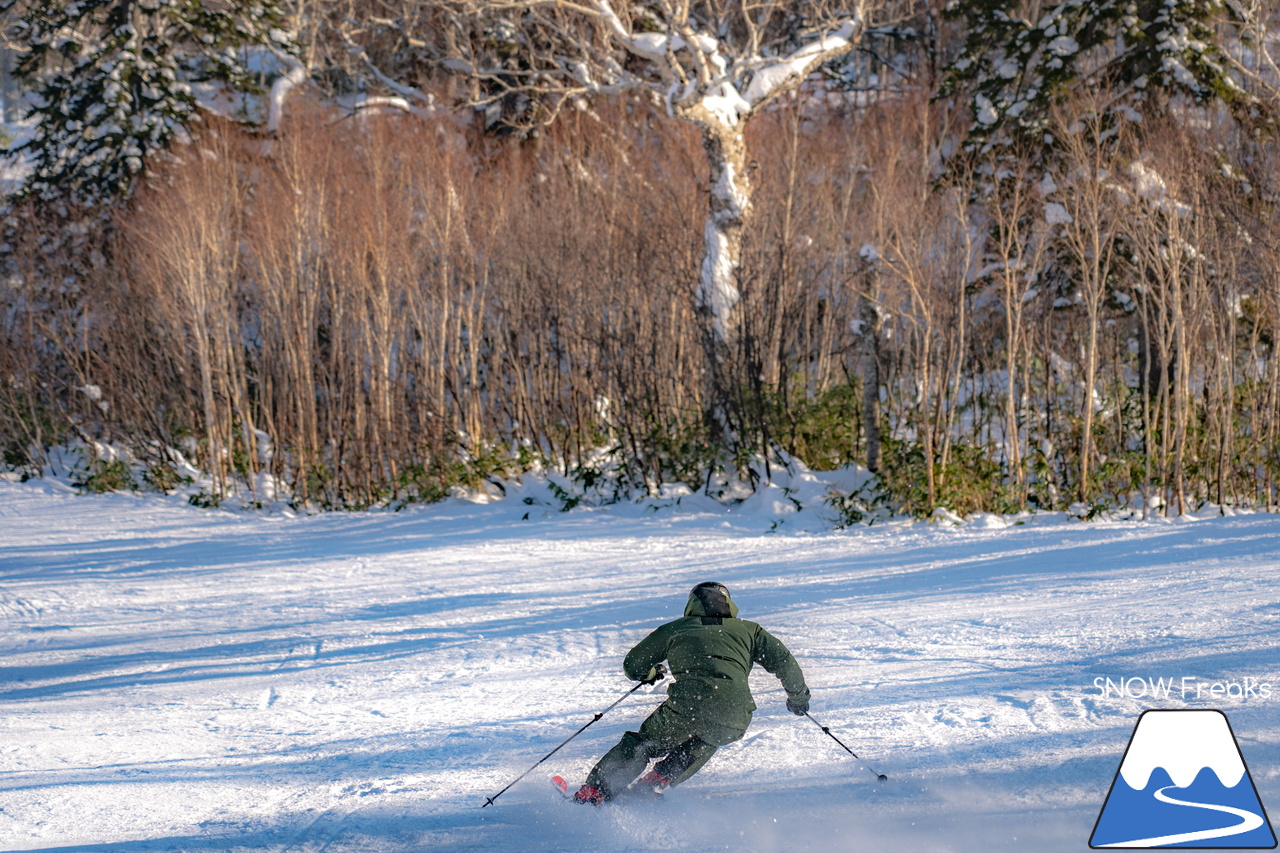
(559, 782)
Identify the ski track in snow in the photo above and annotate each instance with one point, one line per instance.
(194, 680)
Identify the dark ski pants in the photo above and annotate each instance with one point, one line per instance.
(686, 744)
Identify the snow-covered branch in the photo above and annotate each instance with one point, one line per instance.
(710, 62)
(280, 89)
(778, 76)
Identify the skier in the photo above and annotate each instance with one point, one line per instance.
(710, 651)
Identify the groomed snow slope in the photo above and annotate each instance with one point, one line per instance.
(183, 679)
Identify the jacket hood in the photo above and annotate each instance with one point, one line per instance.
(710, 599)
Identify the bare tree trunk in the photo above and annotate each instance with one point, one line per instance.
(926, 422)
(1181, 392)
(1090, 378)
(1144, 380)
(1273, 416)
(955, 367)
(8, 87)
(869, 366)
(1012, 433)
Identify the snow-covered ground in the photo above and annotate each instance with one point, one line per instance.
(197, 680)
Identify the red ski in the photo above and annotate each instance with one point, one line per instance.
(562, 786)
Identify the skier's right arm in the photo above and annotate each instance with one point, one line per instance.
(647, 654)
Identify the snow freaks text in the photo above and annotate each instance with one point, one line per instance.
(1184, 687)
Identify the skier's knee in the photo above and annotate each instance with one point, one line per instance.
(634, 745)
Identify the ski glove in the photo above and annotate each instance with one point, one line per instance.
(798, 708)
(656, 674)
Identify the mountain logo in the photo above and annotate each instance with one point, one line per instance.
(1183, 783)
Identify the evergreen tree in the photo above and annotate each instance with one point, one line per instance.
(112, 81)
(1016, 68)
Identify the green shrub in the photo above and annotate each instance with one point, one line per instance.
(163, 477)
(103, 476)
(825, 433)
(15, 456)
(205, 500)
(970, 482)
(865, 505)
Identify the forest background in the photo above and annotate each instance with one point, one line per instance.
(1005, 256)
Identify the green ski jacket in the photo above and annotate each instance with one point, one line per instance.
(710, 657)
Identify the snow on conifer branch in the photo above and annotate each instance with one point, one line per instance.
(1015, 69)
(114, 82)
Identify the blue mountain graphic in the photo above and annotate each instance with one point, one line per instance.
(1131, 814)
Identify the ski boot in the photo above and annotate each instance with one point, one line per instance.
(589, 794)
(655, 781)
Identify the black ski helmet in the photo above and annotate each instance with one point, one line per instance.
(712, 599)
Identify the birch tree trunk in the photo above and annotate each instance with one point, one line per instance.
(728, 209)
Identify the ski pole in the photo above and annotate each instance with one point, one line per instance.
(488, 801)
(879, 776)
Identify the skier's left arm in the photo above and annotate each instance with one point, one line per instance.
(770, 653)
